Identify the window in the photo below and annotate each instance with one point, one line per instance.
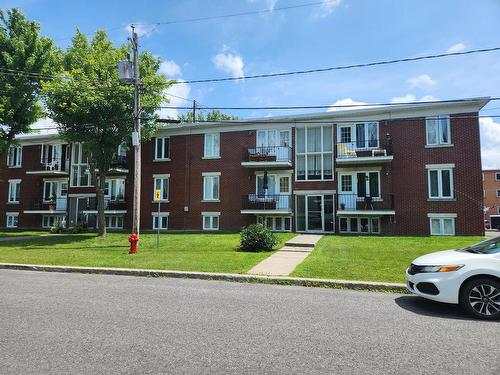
(14, 156)
(162, 183)
(440, 181)
(114, 221)
(442, 224)
(211, 220)
(51, 220)
(314, 153)
(115, 189)
(359, 225)
(54, 189)
(498, 193)
(211, 186)
(498, 209)
(80, 175)
(212, 145)
(160, 221)
(276, 223)
(358, 136)
(497, 176)
(14, 189)
(12, 219)
(162, 150)
(438, 130)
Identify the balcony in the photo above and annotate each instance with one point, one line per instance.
(373, 151)
(50, 167)
(111, 206)
(265, 203)
(354, 205)
(41, 206)
(268, 157)
(119, 164)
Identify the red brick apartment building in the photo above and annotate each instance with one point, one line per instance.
(491, 187)
(399, 169)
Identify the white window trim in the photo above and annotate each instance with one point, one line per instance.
(354, 182)
(273, 229)
(108, 217)
(210, 174)
(353, 134)
(7, 214)
(157, 177)
(498, 193)
(205, 149)
(498, 209)
(76, 160)
(14, 181)
(441, 218)
(440, 168)
(277, 182)
(167, 158)
(108, 181)
(497, 174)
(61, 218)
(322, 153)
(161, 214)
(358, 221)
(19, 160)
(210, 215)
(439, 143)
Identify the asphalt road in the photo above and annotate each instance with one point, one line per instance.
(94, 324)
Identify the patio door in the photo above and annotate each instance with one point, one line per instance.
(347, 192)
(314, 213)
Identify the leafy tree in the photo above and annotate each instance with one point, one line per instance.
(214, 115)
(91, 106)
(26, 58)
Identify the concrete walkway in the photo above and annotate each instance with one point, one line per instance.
(284, 261)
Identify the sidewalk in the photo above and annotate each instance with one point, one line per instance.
(284, 261)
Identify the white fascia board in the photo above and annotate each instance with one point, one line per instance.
(445, 215)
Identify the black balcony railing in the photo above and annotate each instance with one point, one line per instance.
(363, 148)
(52, 165)
(119, 161)
(354, 202)
(266, 202)
(109, 204)
(56, 204)
(269, 154)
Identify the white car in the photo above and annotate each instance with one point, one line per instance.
(469, 277)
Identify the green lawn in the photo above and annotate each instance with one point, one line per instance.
(16, 233)
(372, 258)
(178, 251)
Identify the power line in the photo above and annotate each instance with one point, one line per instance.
(324, 106)
(342, 67)
(248, 13)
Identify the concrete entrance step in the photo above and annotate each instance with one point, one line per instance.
(304, 240)
(297, 249)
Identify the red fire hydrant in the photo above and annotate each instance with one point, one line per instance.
(134, 239)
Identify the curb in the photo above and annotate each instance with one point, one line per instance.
(280, 280)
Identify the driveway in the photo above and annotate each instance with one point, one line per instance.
(71, 323)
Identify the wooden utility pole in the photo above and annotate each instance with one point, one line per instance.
(136, 214)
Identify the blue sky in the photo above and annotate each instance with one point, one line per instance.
(335, 32)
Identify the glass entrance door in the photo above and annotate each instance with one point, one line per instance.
(315, 213)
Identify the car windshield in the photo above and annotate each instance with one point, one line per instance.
(486, 247)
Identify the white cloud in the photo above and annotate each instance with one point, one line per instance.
(413, 98)
(328, 6)
(229, 63)
(459, 47)
(271, 4)
(421, 81)
(142, 29)
(490, 143)
(348, 102)
(170, 69)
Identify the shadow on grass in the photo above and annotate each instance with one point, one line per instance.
(422, 306)
(46, 240)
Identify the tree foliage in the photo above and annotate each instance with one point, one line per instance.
(26, 58)
(91, 106)
(214, 115)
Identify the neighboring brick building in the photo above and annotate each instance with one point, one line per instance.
(491, 188)
(401, 169)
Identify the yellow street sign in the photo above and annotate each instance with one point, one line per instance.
(157, 195)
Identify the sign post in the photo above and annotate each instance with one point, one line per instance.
(158, 223)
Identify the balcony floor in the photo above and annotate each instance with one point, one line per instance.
(364, 160)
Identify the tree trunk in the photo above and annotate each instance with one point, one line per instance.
(101, 220)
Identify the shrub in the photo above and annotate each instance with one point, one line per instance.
(56, 228)
(256, 237)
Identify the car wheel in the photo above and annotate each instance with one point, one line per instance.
(481, 298)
